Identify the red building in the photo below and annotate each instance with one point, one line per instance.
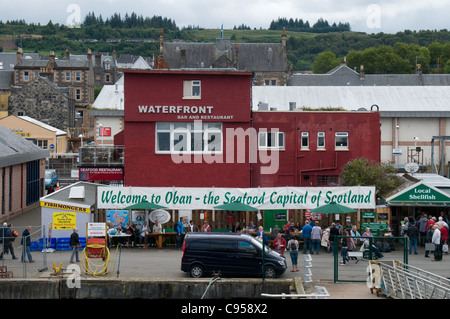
(313, 147)
(196, 129)
(175, 124)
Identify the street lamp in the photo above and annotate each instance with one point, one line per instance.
(100, 125)
(81, 136)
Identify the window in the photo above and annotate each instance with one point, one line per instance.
(270, 82)
(26, 76)
(320, 139)
(68, 77)
(107, 66)
(192, 89)
(305, 140)
(271, 139)
(107, 78)
(246, 248)
(42, 144)
(78, 76)
(188, 138)
(77, 94)
(327, 180)
(341, 140)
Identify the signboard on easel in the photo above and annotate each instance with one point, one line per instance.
(96, 230)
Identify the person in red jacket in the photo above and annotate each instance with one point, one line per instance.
(279, 244)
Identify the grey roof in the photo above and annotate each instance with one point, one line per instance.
(62, 196)
(17, 150)
(253, 57)
(399, 101)
(83, 57)
(6, 80)
(8, 59)
(344, 76)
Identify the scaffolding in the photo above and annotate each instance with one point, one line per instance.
(403, 281)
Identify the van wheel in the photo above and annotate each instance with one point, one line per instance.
(196, 271)
(270, 272)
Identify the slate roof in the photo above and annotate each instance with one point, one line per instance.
(6, 80)
(344, 76)
(253, 57)
(8, 59)
(16, 150)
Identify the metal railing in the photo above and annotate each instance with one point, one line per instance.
(102, 155)
(402, 281)
(368, 249)
(15, 254)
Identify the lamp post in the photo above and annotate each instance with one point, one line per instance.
(100, 125)
(81, 136)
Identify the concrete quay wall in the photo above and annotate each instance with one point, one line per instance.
(58, 288)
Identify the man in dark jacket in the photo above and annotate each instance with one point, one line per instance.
(26, 243)
(428, 239)
(334, 231)
(74, 243)
(413, 235)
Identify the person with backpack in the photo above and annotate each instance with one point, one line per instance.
(413, 234)
(8, 239)
(292, 245)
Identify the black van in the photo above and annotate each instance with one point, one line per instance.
(229, 253)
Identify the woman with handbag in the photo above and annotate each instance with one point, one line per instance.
(75, 244)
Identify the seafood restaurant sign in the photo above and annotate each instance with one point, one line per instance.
(357, 197)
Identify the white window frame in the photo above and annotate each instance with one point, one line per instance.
(193, 134)
(26, 76)
(192, 89)
(78, 76)
(68, 76)
(341, 135)
(321, 140)
(276, 139)
(304, 136)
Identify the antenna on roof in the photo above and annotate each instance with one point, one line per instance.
(221, 31)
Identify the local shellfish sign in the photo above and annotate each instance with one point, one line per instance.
(357, 197)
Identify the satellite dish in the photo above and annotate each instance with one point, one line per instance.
(411, 167)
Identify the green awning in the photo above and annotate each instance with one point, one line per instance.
(333, 208)
(145, 205)
(237, 207)
(420, 194)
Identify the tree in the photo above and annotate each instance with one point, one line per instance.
(364, 172)
(324, 62)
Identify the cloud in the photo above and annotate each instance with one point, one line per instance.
(395, 15)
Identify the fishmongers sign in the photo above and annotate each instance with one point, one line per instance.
(362, 197)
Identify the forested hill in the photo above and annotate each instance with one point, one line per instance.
(137, 35)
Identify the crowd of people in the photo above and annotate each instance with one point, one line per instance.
(427, 231)
(7, 238)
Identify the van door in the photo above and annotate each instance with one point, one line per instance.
(222, 255)
(249, 258)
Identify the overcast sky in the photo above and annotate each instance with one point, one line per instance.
(371, 16)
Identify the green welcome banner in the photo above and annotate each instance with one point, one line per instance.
(358, 197)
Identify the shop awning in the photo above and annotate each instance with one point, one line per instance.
(420, 195)
(145, 205)
(236, 207)
(333, 208)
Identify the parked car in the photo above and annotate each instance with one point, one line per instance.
(231, 254)
(51, 178)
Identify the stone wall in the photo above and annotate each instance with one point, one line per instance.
(43, 102)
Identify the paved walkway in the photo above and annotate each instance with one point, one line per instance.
(158, 264)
